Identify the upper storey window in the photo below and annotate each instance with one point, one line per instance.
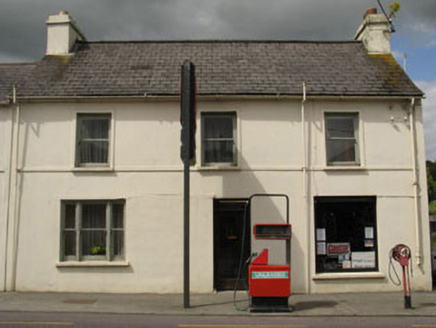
(342, 145)
(218, 142)
(93, 131)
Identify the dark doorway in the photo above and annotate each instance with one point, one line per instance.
(228, 234)
(433, 251)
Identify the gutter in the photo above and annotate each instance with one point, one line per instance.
(206, 97)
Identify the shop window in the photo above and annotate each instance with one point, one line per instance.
(92, 230)
(218, 142)
(342, 146)
(92, 147)
(346, 234)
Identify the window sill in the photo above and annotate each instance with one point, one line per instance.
(93, 169)
(351, 275)
(218, 168)
(92, 264)
(345, 168)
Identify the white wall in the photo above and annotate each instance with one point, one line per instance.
(147, 172)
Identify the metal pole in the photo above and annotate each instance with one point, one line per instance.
(188, 158)
(186, 236)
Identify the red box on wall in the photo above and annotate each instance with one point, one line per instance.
(270, 280)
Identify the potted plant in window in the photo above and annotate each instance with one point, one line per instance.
(98, 250)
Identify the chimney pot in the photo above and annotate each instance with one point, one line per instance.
(370, 11)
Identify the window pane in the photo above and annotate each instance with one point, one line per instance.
(93, 216)
(218, 127)
(118, 216)
(341, 151)
(94, 128)
(70, 216)
(93, 242)
(118, 243)
(94, 151)
(69, 243)
(218, 152)
(340, 127)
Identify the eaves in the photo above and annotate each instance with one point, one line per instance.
(210, 97)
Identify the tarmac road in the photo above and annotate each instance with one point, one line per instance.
(93, 320)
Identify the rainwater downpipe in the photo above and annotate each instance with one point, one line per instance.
(16, 201)
(8, 192)
(305, 197)
(415, 184)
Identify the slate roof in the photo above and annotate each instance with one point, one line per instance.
(13, 74)
(223, 68)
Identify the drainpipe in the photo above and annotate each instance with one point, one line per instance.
(304, 169)
(415, 184)
(8, 191)
(16, 201)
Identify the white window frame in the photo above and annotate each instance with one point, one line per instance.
(78, 229)
(93, 115)
(357, 138)
(234, 116)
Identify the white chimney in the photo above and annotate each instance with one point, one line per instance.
(62, 34)
(375, 32)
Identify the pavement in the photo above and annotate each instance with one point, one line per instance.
(219, 304)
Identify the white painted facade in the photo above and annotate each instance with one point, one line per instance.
(146, 170)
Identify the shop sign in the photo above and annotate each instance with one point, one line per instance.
(338, 248)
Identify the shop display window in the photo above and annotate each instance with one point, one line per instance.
(345, 234)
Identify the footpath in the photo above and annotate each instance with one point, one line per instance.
(219, 304)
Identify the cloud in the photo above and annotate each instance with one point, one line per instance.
(429, 108)
(22, 28)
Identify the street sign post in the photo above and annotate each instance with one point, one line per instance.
(187, 154)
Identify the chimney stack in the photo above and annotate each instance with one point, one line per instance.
(375, 32)
(62, 34)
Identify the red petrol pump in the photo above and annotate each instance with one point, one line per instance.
(269, 286)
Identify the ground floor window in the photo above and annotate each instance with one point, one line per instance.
(346, 234)
(92, 230)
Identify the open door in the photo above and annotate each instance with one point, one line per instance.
(228, 233)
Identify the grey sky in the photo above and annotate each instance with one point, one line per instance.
(22, 28)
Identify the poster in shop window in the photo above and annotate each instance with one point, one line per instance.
(320, 234)
(362, 260)
(320, 248)
(336, 249)
(369, 233)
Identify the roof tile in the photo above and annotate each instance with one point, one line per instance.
(223, 67)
